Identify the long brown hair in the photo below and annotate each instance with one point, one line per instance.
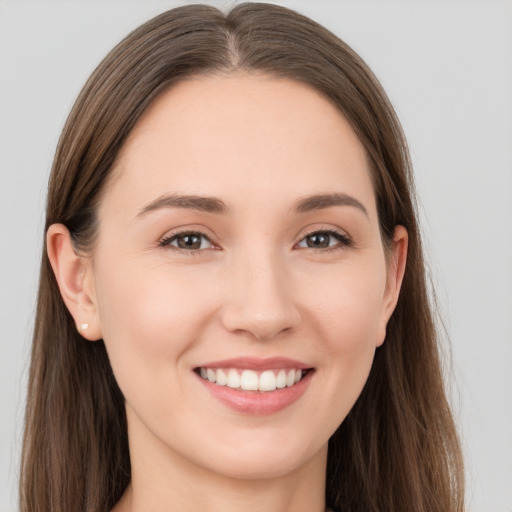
(397, 450)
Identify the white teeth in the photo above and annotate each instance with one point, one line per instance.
(267, 381)
(222, 378)
(281, 379)
(233, 379)
(249, 380)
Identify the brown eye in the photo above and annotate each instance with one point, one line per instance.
(324, 240)
(191, 241)
(318, 240)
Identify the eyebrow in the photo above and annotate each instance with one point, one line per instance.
(321, 201)
(203, 204)
(216, 205)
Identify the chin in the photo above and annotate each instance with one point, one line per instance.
(265, 466)
(259, 454)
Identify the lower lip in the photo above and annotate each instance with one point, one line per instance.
(258, 402)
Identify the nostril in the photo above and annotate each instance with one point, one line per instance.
(263, 308)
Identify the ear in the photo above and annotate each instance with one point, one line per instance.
(395, 276)
(75, 280)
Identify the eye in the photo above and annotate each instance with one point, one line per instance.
(188, 241)
(325, 239)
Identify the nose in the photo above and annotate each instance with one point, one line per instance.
(259, 299)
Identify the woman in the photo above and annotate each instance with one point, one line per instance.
(232, 307)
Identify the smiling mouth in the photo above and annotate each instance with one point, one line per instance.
(250, 380)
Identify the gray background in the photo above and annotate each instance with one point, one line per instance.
(447, 66)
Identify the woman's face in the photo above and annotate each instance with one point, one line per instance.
(239, 242)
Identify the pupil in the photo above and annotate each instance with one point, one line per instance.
(189, 242)
(318, 240)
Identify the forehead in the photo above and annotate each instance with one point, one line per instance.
(240, 135)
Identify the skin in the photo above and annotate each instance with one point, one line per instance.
(254, 288)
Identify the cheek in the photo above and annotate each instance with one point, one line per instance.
(149, 316)
(349, 309)
(347, 321)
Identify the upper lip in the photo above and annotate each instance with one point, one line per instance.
(254, 363)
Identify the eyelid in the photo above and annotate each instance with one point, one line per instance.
(344, 239)
(322, 228)
(164, 241)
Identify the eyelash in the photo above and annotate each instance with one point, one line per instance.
(166, 241)
(344, 241)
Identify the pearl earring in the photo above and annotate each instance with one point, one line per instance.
(83, 327)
